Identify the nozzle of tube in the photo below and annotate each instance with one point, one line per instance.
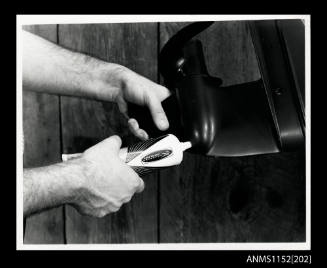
(186, 145)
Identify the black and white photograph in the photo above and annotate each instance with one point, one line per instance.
(163, 132)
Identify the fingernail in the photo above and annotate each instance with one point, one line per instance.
(163, 123)
(145, 136)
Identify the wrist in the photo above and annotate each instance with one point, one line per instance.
(107, 81)
(75, 183)
(52, 186)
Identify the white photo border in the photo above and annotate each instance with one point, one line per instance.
(84, 19)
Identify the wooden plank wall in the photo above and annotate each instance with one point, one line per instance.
(206, 199)
(42, 147)
(86, 122)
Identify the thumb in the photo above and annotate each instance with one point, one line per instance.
(112, 143)
(157, 112)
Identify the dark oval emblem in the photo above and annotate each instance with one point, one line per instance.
(157, 155)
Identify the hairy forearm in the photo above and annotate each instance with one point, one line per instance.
(50, 68)
(51, 186)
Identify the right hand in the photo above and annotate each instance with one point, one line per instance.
(107, 182)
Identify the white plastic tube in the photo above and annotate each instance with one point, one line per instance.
(151, 154)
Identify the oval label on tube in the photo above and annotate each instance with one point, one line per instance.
(157, 155)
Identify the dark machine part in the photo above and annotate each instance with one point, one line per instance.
(279, 45)
(264, 116)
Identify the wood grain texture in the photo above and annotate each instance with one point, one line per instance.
(243, 199)
(205, 199)
(86, 122)
(42, 147)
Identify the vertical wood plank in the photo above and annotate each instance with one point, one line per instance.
(42, 147)
(241, 199)
(86, 122)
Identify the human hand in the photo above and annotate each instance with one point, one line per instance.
(122, 85)
(107, 182)
(142, 91)
(81, 75)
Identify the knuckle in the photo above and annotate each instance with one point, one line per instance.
(132, 177)
(97, 213)
(126, 199)
(135, 184)
(101, 213)
(114, 209)
(142, 187)
(116, 138)
(147, 98)
(116, 204)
